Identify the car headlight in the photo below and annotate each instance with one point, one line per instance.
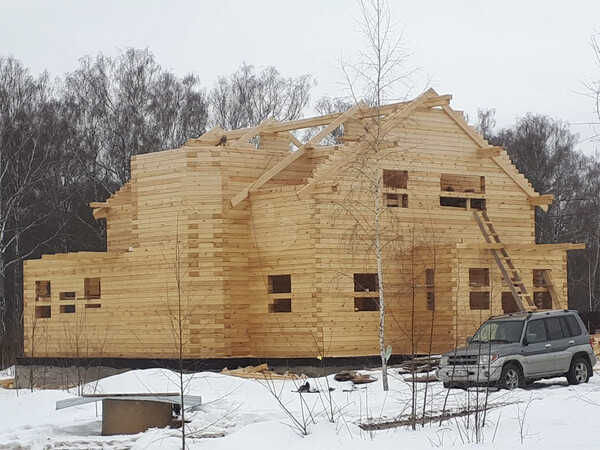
(444, 361)
(487, 359)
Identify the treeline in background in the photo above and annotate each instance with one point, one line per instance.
(67, 142)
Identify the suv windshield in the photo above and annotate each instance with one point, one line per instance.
(499, 331)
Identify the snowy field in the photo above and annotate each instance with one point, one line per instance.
(245, 414)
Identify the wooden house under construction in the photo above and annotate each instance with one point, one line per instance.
(261, 242)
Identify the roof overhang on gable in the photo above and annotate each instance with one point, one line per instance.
(392, 114)
(501, 158)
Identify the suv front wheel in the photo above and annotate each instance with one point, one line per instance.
(511, 377)
(579, 372)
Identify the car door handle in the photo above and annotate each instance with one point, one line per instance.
(548, 345)
(571, 342)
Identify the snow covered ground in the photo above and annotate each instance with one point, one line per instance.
(244, 414)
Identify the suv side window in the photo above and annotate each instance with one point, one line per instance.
(565, 327)
(537, 327)
(554, 328)
(574, 325)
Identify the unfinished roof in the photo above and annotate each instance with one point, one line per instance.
(390, 115)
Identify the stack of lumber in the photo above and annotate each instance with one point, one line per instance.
(420, 364)
(261, 372)
(7, 383)
(596, 343)
(355, 377)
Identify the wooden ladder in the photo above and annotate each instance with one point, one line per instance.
(510, 273)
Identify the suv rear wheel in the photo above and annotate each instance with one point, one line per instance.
(579, 372)
(511, 377)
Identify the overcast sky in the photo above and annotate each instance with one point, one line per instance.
(513, 55)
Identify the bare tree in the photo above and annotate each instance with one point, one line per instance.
(245, 99)
(128, 105)
(379, 71)
(593, 86)
(544, 150)
(31, 132)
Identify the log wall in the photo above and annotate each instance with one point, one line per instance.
(177, 245)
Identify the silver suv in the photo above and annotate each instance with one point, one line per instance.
(513, 349)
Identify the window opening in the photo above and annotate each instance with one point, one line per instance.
(538, 278)
(395, 179)
(430, 300)
(42, 290)
(391, 200)
(43, 312)
(453, 202)
(429, 277)
(66, 296)
(67, 309)
(92, 305)
(478, 203)
(542, 300)
(281, 305)
(479, 277)
(280, 284)
(91, 288)
(479, 300)
(509, 305)
(366, 304)
(430, 285)
(366, 282)
(450, 182)
(396, 200)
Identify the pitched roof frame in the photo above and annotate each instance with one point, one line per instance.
(285, 162)
(405, 111)
(535, 199)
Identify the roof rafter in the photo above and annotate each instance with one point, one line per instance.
(318, 121)
(285, 162)
(405, 111)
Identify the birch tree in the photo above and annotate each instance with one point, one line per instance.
(31, 130)
(127, 105)
(377, 77)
